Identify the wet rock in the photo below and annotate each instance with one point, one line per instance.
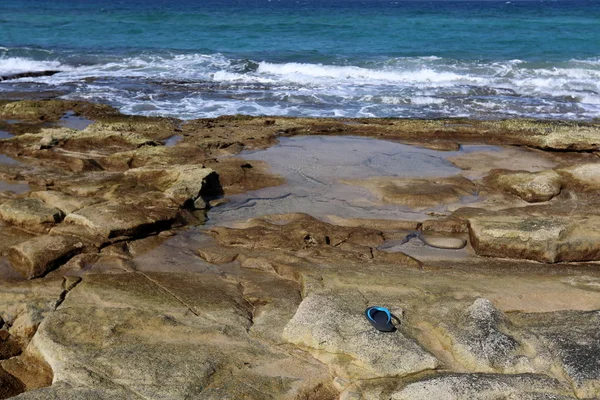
(52, 110)
(30, 74)
(112, 219)
(39, 255)
(485, 387)
(234, 178)
(532, 187)
(31, 214)
(545, 239)
(335, 324)
(65, 202)
(570, 342)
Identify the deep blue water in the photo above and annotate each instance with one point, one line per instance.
(484, 59)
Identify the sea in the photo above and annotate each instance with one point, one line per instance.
(317, 58)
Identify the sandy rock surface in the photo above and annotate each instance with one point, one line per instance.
(119, 278)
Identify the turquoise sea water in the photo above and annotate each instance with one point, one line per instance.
(185, 58)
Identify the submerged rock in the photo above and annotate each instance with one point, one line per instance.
(417, 193)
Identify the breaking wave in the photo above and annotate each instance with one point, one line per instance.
(207, 85)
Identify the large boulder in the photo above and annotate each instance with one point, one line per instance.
(541, 238)
(532, 187)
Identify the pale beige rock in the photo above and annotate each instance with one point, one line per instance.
(545, 239)
(32, 214)
(65, 202)
(532, 187)
(485, 387)
(334, 323)
(585, 176)
(164, 335)
(39, 255)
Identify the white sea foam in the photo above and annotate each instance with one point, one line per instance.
(210, 85)
(13, 65)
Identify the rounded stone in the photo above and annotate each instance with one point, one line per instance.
(444, 242)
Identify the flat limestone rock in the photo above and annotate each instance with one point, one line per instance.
(112, 219)
(23, 305)
(31, 214)
(67, 203)
(335, 324)
(544, 239)
(182, 183)
(485, 387)
(532, 187)
(39, 255)
(163, 336)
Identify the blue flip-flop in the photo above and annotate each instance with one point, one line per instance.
(380, 318)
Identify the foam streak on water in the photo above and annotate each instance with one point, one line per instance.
(203, 85)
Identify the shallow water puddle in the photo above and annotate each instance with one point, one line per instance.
(313, 167)
(15, 187)
(72, 121)
(173, 140)
(5, 135)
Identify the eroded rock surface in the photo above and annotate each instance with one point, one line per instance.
(124, 304)
(545, 239)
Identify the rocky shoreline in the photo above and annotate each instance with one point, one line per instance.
(112, 284)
